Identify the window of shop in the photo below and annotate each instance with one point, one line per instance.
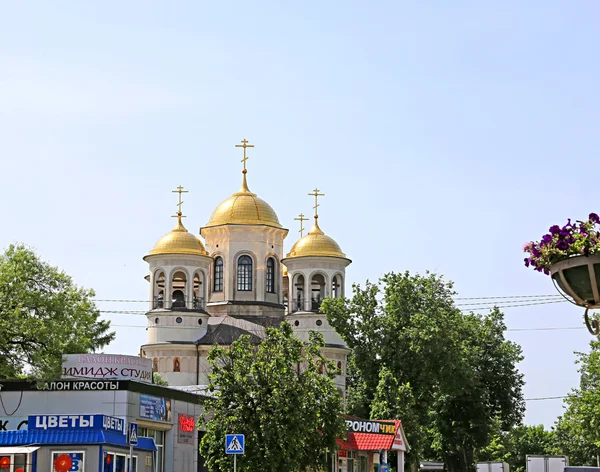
(159, 440)
(364, 464)
(15, 463)
(63, 461)
(114, 462)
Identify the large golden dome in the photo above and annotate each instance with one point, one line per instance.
(316, 243)
(244, 208)
(179, 241)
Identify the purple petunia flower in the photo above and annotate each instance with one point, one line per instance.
(527, 261)
(555, 229)
(562, 245)
(546, 271)
(535, 252)
(546, 239)
(594, 217)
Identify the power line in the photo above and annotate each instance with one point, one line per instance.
(504, 297)
(512, 306)
(549, 296)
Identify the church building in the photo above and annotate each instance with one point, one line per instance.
(238, 280)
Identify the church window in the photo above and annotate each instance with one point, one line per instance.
(155, 365)
(179, 319)
(176, 365)
(244, 274)
(336, 287)
(319, 322)
(271, 275)
(179, 289)
(200, 321)
(218, 275)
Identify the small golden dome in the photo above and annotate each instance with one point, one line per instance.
(179, 241)
(244, 208)
(316, 243)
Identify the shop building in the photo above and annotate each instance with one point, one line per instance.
(45, 426)
(369, 445)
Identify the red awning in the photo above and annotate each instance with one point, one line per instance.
(369, 441)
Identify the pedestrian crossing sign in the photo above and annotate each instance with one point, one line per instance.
(235, 444)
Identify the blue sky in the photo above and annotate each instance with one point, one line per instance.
(444, 134)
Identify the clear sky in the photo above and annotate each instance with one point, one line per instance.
(444, 135)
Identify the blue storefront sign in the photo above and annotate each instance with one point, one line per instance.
(155, 408)
(66, 422)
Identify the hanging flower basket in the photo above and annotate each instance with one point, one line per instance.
(571, 256)
(579, 278)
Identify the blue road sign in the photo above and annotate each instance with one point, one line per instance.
(235, 444)
(132, 437)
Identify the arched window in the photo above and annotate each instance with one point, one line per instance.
(159, 290)
(317, 287)
(176, 365)
(155, 365)
(336, 287)
(198, 300)
(271, 275)
(244, 274)
(179, 289)
(218, 275)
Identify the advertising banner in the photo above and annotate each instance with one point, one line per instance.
(107, 366)
(187, 427)
(70, 422)
(155, 408)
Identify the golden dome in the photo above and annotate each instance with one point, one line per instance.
(316, 243)
(179, 241)
(244, 208)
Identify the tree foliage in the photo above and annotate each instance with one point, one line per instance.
(275, 394)
(446, 374)
(515, 445)
(159, 380)
(43, 315)
(578, 430)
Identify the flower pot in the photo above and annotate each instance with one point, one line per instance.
(578, 278)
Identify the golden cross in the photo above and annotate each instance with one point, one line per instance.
(316, 194)
(301, 219)
(244, 145)
(179, 191)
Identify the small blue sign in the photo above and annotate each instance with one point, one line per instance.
(235, 444)
(133, 434)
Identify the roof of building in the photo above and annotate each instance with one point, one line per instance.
(179, 242)
(244, 208)
(74, 436)
(316, 244)
(370, 441)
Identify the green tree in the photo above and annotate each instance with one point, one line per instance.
(515, 445)
(578, 430)
(280, 395)
(43, 315)
(455, 373)
(159, 380)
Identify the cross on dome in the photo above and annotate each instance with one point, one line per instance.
(316, 194)
(179, 191)
(301, 219)
(244, 145)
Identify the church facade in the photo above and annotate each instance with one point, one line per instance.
(239, 281)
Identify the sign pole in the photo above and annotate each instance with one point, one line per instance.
(130, 457)
(234, 464)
